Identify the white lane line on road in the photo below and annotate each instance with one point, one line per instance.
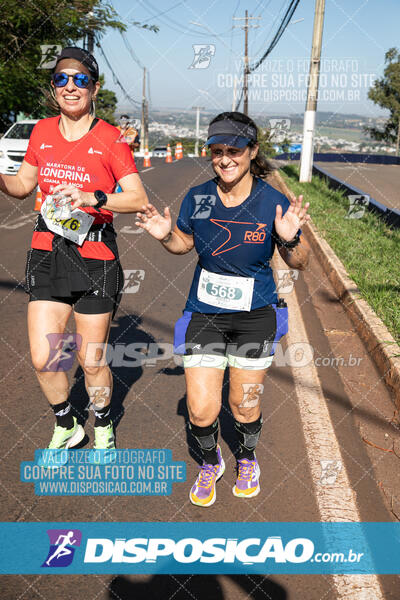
(148, 169)
(336, 502)
(25, 219)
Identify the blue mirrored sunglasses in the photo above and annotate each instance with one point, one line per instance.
(81, 80)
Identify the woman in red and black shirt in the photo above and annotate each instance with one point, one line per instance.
(73, 263)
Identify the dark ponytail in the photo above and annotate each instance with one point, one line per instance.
(260, 166)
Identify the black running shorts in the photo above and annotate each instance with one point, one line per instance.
(100, 298)
(250, 336)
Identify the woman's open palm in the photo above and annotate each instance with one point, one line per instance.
(295, 216)
(153, 222)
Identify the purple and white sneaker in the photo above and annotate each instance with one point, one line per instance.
(203, 491)
(248, 475)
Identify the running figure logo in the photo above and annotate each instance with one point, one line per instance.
(204, 204)
(279, 128)
(62, 547)
(62, 351)
(202, 55)
(49, 55)
(251, 394)
(357, 206)
(98, 396)
(286, 280)
(133, 279)
(330, 470)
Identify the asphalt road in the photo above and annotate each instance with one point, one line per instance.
(149, 407)
(380, 182)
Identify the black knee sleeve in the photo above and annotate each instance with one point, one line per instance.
(248, 435)
(207, 439)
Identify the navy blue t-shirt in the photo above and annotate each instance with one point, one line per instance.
(232, 241)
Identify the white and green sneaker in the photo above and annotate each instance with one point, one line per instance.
(56, 453)
(104, 445)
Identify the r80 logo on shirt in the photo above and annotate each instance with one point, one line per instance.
(238, 232)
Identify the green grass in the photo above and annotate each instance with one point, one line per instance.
(349, 134)
(369, 249)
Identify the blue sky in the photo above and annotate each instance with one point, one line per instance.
(357, 34)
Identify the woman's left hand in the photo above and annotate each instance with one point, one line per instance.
(295, 216)
(77, 197)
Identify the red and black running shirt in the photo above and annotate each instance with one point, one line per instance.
(94, 162)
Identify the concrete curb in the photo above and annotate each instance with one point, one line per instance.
(381, 345)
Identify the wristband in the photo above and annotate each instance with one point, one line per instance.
(167, 238)
(290, 244)
(101, 198)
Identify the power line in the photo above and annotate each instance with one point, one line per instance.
(115, 77)
(130, 50)
(240, 98)
(137, 61)
(246, 71)
(284, 23)
(181, 27)
(272, 27)
(231, 36)
(161, 13)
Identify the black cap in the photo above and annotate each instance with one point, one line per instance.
(231, 133)
(83, 56)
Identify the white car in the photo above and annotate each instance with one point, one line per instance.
(13, 146)
(160, 152)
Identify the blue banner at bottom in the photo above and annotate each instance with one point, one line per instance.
(200, 548)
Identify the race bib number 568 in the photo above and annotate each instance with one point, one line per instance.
(225, 291)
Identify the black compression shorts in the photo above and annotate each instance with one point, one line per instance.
(248, 335)
(100, 298)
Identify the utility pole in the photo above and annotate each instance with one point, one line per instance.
(234, 94)
(90, 41)
(307, 150)
(246, 67)
(246, 71)
(90, 34)
(146, 123)
(144, 135)
(198, 109)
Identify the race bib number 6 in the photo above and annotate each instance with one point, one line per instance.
(225, 291)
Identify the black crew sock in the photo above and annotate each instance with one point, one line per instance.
(248, 435)
(63, 414)
(102, 416)
(207, 438)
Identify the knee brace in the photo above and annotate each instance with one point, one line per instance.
(248, 435)
(206, 437)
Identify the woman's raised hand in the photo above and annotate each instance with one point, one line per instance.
(156, 225)
(295, 216)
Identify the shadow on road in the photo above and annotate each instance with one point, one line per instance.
(122, 334)
(16, 286)
(188, 587)
(333, 396)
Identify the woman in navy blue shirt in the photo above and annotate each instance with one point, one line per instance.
(233, 315)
